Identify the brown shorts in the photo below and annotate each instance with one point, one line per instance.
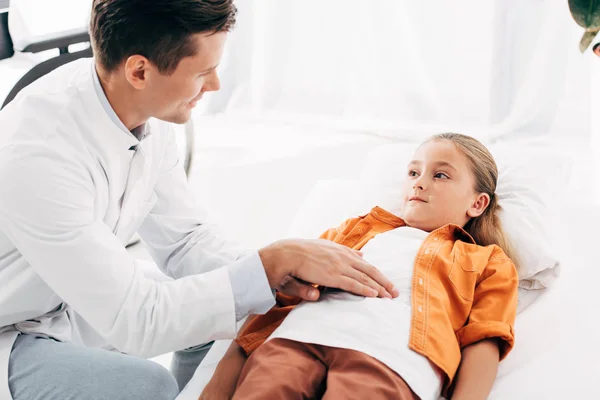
(288, 370)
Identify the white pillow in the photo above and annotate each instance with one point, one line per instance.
(331, 202)
(533, 168)
(529, 191)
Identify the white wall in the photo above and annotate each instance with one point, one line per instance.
(252, 177)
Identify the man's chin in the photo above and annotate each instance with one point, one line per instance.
(177, 119)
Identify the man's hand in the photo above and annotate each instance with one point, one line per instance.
(294, 265)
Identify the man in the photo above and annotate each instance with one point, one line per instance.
(87, 158)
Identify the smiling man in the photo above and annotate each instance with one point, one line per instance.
(87, 159)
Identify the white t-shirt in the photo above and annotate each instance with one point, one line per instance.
(377, 327)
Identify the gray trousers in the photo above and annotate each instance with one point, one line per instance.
(45, 369)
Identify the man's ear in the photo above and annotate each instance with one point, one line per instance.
(481, 202)
(136, 71)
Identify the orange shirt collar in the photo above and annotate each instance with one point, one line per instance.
(396, 222)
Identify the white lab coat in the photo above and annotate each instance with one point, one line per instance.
(72, 194)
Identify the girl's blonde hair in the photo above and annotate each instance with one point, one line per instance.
(487, 228)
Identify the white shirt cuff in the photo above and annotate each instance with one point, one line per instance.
(251, 291)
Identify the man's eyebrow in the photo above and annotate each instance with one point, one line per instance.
(209, 69)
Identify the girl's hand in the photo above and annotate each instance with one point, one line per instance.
(219, 388)
(223, 383)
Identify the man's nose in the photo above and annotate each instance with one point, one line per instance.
(213, 84)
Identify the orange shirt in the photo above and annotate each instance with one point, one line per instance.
(461, 292)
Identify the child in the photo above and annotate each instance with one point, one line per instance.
(446, 332)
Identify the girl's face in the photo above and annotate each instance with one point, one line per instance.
(439, 189)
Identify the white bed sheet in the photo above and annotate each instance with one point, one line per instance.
(556, 353)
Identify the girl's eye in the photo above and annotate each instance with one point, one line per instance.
(412, 173)
(441, 175)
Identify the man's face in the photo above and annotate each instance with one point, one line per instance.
(172, 97)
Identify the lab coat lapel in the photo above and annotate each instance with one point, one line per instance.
(114, 145)
(136, 203)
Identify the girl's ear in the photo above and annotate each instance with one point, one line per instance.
(481, 202)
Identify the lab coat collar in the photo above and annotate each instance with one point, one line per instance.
(120, 137)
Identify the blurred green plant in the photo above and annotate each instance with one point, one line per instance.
(587, 15)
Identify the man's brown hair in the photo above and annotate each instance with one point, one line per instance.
(160, 30)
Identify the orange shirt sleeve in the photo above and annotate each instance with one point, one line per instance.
(494, 305)
(261, 327)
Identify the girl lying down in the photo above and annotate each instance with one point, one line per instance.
(444, 335)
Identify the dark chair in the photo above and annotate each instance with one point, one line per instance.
(64, 56)
(61, 43)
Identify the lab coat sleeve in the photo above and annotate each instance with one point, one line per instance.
(183, 242)
(47, 205)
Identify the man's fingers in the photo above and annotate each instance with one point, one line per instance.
(351, 285)
(294, 287)
(366, 280)
(376, 275)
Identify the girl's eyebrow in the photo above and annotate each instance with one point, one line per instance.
(437, 164)
(445, 164)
